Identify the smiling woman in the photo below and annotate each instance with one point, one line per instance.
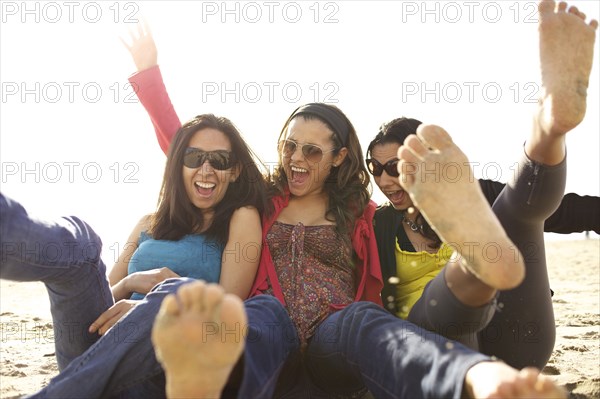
(185, 237)
(207, 168)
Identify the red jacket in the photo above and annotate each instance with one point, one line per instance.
(363, 243)
(153, 95)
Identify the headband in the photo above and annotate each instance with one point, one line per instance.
(332, 116)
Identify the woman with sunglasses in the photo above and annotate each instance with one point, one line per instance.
(158, 249)
(207, 226)
(416, 265)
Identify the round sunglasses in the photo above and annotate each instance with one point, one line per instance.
(376, 168)
(220, 159)
(312, 152)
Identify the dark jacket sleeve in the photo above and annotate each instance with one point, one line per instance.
(575, 213)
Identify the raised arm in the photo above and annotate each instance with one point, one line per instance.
(242, 252)
(575, 213)
(148, 84)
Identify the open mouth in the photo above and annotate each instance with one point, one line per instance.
(204, 189)
(299, 175)
(396, 197)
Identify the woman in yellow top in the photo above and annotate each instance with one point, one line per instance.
(515, 325)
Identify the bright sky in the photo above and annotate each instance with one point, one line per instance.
(74, 140)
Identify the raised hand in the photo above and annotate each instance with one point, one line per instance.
(141, 46)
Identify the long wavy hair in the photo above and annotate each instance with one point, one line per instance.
(396, 131)
(347, 186)
(176, 216)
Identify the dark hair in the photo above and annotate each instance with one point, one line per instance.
(347, 186)
(396, 131)
(176, 216)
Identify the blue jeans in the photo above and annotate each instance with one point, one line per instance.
(65, 255)
(360, 347)
(121, 364)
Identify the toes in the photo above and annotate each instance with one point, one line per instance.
(407, 155)
(546, 6)
(416, 146)
(408, 171)
(170, 306)
(407, 166)
(434, 136)
(529, 376)
(213, 296)
(594, 24)
(573, 10)
(191, 296)
(562, 6)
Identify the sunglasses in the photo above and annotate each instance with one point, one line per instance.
(219, 160)
(312, 152)
(376, 168)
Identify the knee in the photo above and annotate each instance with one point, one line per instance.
(356, 314)
(87, 241)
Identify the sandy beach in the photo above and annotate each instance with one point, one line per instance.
(27, 352)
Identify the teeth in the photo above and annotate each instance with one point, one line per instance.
(204, 185)
(299, 170)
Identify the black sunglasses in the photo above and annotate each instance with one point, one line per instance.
(312, 152)
(376, 168)
(220, 159)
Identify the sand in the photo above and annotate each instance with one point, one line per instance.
(27, 353)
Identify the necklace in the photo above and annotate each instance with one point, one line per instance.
(413, 226)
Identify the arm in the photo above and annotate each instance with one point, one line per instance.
(242, 252)
(124, 284)
(149, 87)
(153, 95)
(118, 274)
(574, 214)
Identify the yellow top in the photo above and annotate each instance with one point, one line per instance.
(415, 270)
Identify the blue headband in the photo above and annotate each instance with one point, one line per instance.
(332, 116)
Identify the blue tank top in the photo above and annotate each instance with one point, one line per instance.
(193, 256)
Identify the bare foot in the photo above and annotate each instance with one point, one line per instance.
(498, 380)
(439, 179)
(566, 56)
(198, 338)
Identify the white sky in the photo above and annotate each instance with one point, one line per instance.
(75, 141)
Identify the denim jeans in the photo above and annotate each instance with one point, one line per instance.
(122, 363)
(360, 347)
(64, 254)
